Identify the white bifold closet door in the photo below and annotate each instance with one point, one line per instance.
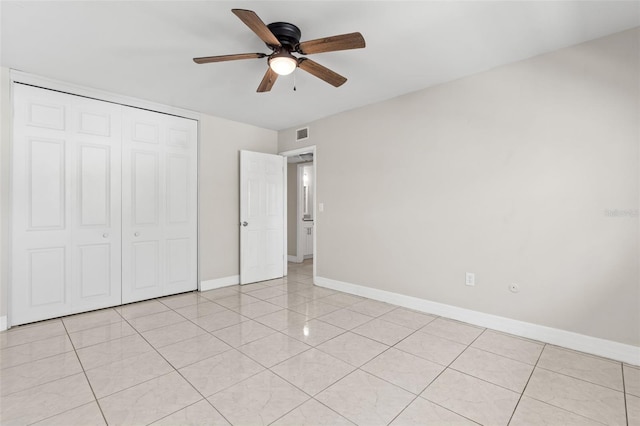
(104, 205)
(65, 205)
(159, 204)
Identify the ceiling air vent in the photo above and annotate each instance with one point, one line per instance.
(302, 134)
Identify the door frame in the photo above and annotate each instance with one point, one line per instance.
(300, 211)
(307, 149)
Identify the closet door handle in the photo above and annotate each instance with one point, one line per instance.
(105, 235)
(136, 234)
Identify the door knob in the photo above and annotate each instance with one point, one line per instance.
(245, 223)
(105, 235)
(137, 234)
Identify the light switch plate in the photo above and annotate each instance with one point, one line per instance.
(470, 278)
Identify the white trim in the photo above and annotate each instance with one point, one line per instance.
(579, 342)
(316, 221)
(219, 283)
(285, 247)
(299, 212)
(48, 83)
(3, 323)
(293, 259)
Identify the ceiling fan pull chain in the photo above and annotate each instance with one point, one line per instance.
(294, 80)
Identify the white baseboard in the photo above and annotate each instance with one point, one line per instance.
(293, 259)
(219, 282)
(3, 323)
(579, 342)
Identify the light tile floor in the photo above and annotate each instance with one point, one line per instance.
(285, 352)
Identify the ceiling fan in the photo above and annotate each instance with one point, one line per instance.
(283, 39)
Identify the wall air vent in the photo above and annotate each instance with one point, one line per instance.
(302, 134)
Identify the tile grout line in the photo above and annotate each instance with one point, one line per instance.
(95, 398)
(526, 384)
(581, 379)
(106, 309)
(454, 360)
(624, 394)
(206, 331)
(356, 368)
(311, 397)
(555, 406)
(269, 368)
(176, 370)
(498, 355)
(33, 360)
(435, 378)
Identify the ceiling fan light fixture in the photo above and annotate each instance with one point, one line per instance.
(283, 63)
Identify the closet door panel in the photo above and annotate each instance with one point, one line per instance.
(95, 198)
(146, 263)
(94, 268)
(177, 190)
(65, 176)
(142, 243)
(145, 188)
(94, 185)
(46, 183)
(178, 256)
(159, 205)
(181, 204)
(41, 236)
(46, 277)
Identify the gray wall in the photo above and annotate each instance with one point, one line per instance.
(219, 179)
(508, 174)
(220, 142)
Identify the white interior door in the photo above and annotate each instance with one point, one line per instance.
(159, 224)
(65, 205)
(261, 216)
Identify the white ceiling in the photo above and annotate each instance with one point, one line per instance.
(144, 49)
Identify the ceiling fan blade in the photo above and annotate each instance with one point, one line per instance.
(223, 58)
(268, 81)
(332, 44)
(322, 72)
(254, 22)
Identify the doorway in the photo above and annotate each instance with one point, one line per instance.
(301, 216)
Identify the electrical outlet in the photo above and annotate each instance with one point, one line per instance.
(470, 278)
(514, 288)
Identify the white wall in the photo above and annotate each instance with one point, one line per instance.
(508, 174)
(218, 236)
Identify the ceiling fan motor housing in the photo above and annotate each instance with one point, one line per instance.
(288, 34)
